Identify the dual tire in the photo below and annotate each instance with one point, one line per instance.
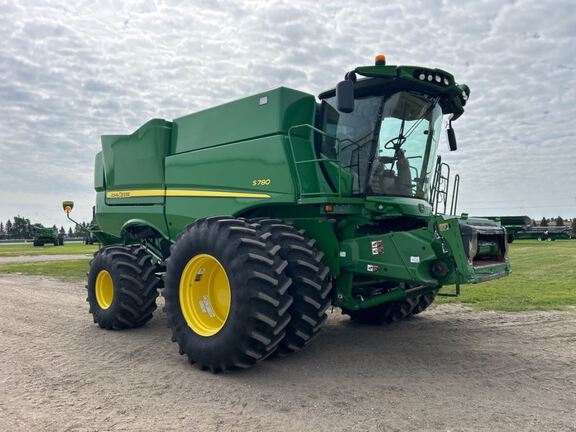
(238, 291)
(311, 284)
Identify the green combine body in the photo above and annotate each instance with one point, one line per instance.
(260, 213)
(43, 235)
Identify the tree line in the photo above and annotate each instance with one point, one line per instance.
(21, 228)
(559, 221)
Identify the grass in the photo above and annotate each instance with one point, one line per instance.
(8, 250)
(70, 269)
(543, 278)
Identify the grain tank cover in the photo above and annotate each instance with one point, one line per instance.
(137, 161)
(264, 114)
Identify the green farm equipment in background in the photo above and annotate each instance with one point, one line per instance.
(87, 231)
(43, 235)
(521, 228)
(257, 215)
(89, 239)
(513, 224)
(550, 233)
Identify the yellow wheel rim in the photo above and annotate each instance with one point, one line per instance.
(205, 295)
(104, 289)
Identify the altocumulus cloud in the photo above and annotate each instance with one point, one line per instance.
(70, 71)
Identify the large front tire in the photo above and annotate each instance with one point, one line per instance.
(226, 293)
(311, 285)
(122, 287)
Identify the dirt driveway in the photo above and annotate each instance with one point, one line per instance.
(41, 258)
(449, 369)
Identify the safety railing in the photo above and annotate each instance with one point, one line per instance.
(455, 192)
(441, 187)
(317, 161)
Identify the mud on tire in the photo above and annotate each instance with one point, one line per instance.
(311, 285)
(132, 271)
(259, 299)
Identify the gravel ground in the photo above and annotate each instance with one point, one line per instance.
(449, 369)
(41, 258)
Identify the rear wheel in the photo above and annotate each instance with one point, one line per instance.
(401, 309)
(424, 301)
(372, 315)
(393, 311)
(122, 287)
(227, 299)
(311, 284)
(383, 313)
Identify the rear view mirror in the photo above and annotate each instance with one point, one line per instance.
(345, 96)
(451, 138)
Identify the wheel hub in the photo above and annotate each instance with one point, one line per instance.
(104, 289)
(205, 295)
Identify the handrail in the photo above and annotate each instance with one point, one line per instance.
(440, 186)
(445, 186)
(316, 160)
(435, 184)
(455, 193)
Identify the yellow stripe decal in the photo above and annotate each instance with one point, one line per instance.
(181, 193)
(200, 193)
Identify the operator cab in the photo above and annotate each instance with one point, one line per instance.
(387, 136)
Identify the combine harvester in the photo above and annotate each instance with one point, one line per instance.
(257, 215)
(43, 235)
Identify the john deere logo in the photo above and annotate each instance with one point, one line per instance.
(119, 194)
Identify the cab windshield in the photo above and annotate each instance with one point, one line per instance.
(388, 143)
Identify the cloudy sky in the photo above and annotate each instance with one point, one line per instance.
(71, 71)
